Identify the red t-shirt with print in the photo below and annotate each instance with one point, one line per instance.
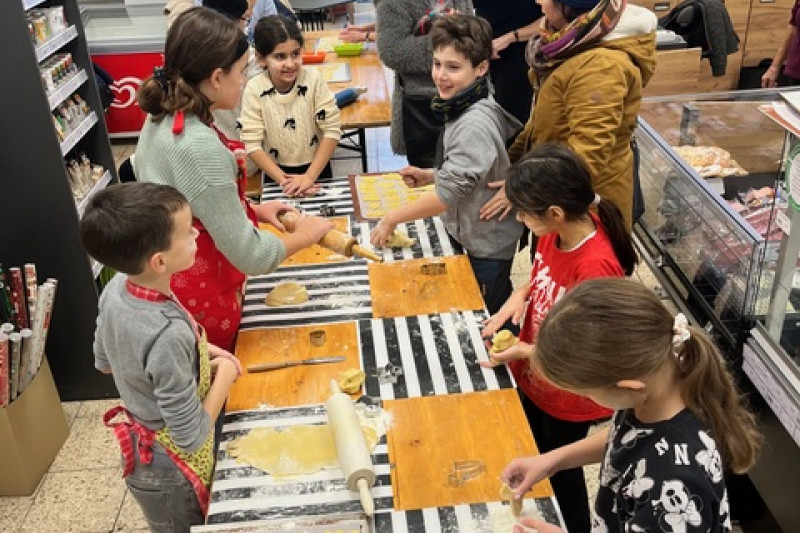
(555, 272)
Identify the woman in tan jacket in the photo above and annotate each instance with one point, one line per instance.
(588, 67)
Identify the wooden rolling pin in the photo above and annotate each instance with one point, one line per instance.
(351, 446)
(335, 240)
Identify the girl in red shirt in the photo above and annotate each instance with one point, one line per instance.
(552, 192)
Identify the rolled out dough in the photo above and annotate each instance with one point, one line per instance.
(296, 450)
(287, 293)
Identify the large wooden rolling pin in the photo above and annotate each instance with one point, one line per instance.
(351, 447)
(335, 240)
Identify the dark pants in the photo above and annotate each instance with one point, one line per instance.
(509, 74)
(326, 173)
(494, 280)
(569, 486)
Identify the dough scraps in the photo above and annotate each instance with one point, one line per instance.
(287, 293)
(398, 239)
(502, 340)
(350, 380)
(295, 450)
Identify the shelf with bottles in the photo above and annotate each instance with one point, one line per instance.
(71, 130)
(86, 178)
(61, 78)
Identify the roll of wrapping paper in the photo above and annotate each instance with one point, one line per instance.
(41, 323)
(18, 297)
(6, 309)
(5, 363)
(15, 350)
(25, 353)
(31, 286)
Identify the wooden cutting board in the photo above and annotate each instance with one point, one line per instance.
(428, 435)
(314, 254)
(297, 385)
(407, 288)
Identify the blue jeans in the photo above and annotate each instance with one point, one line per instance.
(166, 497)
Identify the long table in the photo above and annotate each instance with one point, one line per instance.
(373, 109)
(420, 349)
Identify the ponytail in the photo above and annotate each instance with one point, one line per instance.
(200, 41)
(710, 393)
(618, 234)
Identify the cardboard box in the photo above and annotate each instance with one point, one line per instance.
(32, 430)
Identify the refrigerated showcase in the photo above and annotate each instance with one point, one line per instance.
(720, 247)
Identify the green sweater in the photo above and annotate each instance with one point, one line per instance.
(197, 164)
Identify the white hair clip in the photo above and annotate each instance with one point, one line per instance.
(680, 332)
(597, 199)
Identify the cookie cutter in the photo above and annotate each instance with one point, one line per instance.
(317, 337)
(464, 471)
(389, 373)
(326, 210)
(433, 269)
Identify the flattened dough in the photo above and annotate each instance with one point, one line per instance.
(287, 293)
(296, 450)
(507, 494)
(398, 239)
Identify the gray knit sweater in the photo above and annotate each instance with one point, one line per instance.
(150, 348)
(409, 56)
(197, 164)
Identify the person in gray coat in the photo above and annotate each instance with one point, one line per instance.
(404, 46)
(476, 129)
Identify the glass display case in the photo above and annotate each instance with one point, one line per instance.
(718, 232)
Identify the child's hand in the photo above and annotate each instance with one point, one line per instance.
(523, 473)
(416, 177)
(353, 34)
(297, 184)
(225, 354)
(313, 226)
(517, 351)
(270, 211)
(498, 205)
(380, 233)
(225, 370)
(526, 525)
(514, 308)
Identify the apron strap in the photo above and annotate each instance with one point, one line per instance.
(146, 438)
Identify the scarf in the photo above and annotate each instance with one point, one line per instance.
(446, 110)
(552, 47)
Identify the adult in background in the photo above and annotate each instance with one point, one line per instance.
(513, 22)
(179, 146)
(589, 64)
(404, 46)
(788, 51)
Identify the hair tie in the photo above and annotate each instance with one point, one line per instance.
(160, 75)
(597, 199)
(680, 334)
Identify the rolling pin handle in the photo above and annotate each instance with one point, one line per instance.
(366, 497)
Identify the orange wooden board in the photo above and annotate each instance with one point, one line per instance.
(315, 254)
(429, 434)
(401, 289)
(297, 385)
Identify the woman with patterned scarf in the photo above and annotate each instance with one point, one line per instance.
(588, 67)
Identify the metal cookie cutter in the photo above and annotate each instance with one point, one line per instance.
(389, 373)
(326, 210)
(463, 471)
(317, 337)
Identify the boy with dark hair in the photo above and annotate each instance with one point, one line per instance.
(161, 363)
(473, 155)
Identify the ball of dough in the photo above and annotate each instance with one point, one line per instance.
(350, 380)
(502, 340)
(287, 293)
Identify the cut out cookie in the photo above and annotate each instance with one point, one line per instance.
(288, 293)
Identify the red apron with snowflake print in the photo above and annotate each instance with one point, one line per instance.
(211, 289)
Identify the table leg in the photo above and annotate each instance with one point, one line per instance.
(362, 141)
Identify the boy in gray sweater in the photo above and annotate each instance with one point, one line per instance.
(161, 363)
(473, 157)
